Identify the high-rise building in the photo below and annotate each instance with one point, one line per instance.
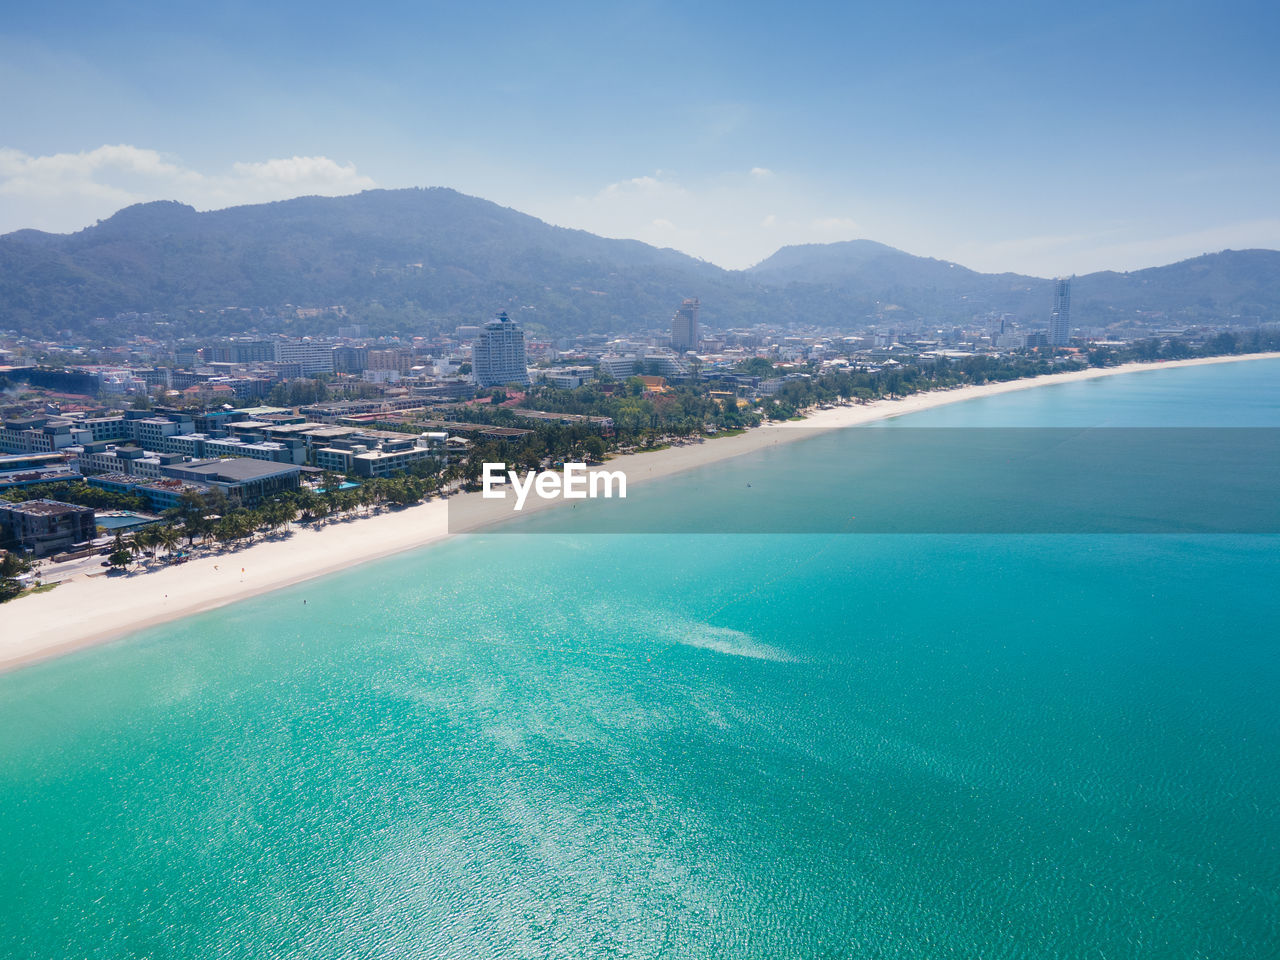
(497, 356)
(684, 326)
(1060, 319)
(315, 356)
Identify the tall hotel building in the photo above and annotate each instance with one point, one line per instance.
(497, 355)
(684, 326)
(1060, 319)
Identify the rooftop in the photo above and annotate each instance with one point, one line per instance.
(44, 508)
(261, 411)
(129, 480)
(236, 469)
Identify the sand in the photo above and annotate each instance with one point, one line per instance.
(92, 609)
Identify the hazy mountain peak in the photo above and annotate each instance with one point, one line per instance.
(403, 258)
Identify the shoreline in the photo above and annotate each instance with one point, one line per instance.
(90, 610)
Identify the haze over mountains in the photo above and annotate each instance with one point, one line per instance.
(408, 260)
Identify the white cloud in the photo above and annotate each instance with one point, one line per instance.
(761, 172)
(68, 191)
(647, 188)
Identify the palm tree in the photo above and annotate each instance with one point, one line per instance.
(320, 509)
(269, 516)
(348, 500)
(224, 530)
(308, 504)
(260, 518)
(138, 543)
(169, 538)
(235, 525)
(287, 511)
(330, 483)
(12, 567)
(120, 555)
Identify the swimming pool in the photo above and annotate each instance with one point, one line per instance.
(123, 520)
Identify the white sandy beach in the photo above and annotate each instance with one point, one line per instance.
(92, 609)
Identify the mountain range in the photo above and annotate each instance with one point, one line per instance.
(410, 260)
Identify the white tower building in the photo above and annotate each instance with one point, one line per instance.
(497, 355)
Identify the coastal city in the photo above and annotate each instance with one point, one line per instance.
(105, 446)
(662, 481)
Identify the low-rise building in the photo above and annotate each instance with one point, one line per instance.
(186, 445)
(664, 365)
(243, 480)
(333, 411)
(151, 432)
(619, 367)
(33, 476)
(363, 455)
(271, 451)
(158, 495)
(129, 460)
(601, 425)
(108, 428)
(567, 378)
(40, 434)
(476, 429)
(43, 527)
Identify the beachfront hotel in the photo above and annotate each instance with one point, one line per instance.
(243, 481)
(247, 481)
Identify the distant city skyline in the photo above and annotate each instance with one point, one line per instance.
(1005, 137)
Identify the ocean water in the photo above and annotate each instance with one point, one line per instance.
(686, 746)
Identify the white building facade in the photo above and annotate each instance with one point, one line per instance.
(497, 356)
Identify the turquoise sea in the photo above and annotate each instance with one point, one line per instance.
(686, 746)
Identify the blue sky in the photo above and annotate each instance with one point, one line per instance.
(1033, 137)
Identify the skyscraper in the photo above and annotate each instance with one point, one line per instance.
(497, 355)
(684, 326)
(1060, 319)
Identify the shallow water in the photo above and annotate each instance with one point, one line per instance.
(732, 746)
